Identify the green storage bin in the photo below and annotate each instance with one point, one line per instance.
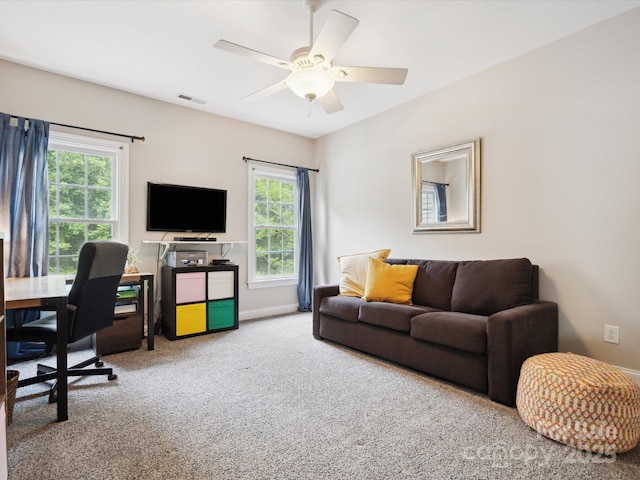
(221, 314)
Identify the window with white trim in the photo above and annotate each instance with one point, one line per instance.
(88, 195)
(272, 228)
(428, 204)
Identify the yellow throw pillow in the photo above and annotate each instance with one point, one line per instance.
(389, 283)
(353, 271)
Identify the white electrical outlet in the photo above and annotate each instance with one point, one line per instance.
(611, 333)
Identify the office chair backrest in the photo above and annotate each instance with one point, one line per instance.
(93, 294)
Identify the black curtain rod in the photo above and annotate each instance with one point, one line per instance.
(247, 159)
(132, 137)
(435, 183)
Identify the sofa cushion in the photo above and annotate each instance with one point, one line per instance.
(353, 271)
(390, 315)
(463, 331)
(434, 283)
(389, 283)
(485, 287)
(341, 307)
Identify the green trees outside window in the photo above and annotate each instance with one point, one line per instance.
(274, 224)
(81, 199)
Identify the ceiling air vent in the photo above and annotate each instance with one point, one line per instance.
(189, 98)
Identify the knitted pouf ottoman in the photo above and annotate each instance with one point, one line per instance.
(579, 401)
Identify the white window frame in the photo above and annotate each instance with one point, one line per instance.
(119, 151)
(281, 175)
(429, 204)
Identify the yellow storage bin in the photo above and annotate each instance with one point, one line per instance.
(191, 319)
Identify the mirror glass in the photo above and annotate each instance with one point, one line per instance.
(446, 188)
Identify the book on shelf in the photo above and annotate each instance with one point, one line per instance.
(125, 308)
(127, 291)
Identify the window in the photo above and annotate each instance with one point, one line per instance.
(272, 228)
(88, 185)
(428, 204)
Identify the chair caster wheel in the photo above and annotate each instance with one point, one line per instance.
(99, 364)
(113, 376)
(53, 397)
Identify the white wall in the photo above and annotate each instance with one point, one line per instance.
(559, 128)
(182, 146)
(560, 131)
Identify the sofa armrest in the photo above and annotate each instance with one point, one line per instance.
(319, 292)
(514, 335)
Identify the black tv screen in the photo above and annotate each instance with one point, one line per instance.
(180, 208)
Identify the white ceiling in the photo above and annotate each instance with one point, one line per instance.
(160, 49)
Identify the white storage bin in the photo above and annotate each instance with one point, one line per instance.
(220, 285)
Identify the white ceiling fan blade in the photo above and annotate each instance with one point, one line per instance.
(391, 76)
(333, 34)
(265, 92)
(254, 54)
(330, 102)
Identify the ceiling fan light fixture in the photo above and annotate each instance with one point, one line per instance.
(318, 59)
(310, 83)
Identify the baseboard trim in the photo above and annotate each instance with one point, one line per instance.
(267, 312)
(634, 374)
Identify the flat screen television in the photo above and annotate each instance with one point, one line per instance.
(181, 208)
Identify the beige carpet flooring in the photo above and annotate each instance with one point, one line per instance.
(268, 401)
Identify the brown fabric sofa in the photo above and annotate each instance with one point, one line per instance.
(472, 322)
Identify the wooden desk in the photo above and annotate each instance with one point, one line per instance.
(142, 278)
(49, 292)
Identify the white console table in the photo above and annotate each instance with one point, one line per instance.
(225, 245)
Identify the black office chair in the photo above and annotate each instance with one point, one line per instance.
(90, 307)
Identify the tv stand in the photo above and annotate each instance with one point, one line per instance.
(195, 239)
(225, 245)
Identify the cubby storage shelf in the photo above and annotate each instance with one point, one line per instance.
(199, 300)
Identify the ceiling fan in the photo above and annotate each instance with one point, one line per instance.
(313, 74)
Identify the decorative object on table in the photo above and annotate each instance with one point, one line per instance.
(132, 259)
(579, 401)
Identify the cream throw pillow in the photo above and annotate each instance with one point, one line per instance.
(353, 271)
(389, 283)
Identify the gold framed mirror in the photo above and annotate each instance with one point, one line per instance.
(446, 188)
